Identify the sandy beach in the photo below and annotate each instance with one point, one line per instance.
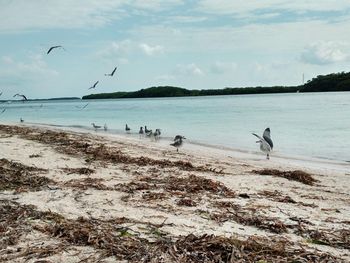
(74, 196)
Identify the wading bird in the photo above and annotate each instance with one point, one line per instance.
(53, 47)
(112, 72)
(94, 86)
(178, 142)
(266, 144)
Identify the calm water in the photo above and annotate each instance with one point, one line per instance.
(309, 125)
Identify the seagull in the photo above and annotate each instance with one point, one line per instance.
(141, 130)
(21, 120)
(147, 130)
(53, 47)
(21, 95)
(94, 86)
(95, 126)
(157, 134)
(266, 144)
(178, 142)
(105, 127)
(112, 72)
(127, 128)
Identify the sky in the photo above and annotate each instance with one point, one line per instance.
(203, 44)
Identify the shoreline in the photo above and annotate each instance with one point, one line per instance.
(218, 150)
(81, 195)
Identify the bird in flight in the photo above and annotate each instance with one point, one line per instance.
(21, 95)
(94, 86)
(83, 107)
(51, 48)
(3, 111)
(112, 72)
(266, 144)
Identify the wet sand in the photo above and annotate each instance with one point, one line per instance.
(72, 196)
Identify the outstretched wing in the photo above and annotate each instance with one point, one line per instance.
(258, 136)
(113, 71)
(267, 137)
(51, 48)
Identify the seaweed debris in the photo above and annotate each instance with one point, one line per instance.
(73, 144)
(182, 186)
(81, 170)
(86, 183)
(297, 175)
(19, 177)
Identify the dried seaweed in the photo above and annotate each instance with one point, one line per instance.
(191, 184)
(186, 202)
(19, 177)
(86, 183)
(81, 170)
(297, 175)
(73, 144)
(339, 238)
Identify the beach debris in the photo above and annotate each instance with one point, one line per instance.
(86, 183)
(80, 170)
(297, 175)
(19, 177)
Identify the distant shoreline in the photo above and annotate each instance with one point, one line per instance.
(328, 83)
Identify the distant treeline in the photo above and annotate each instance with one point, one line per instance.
(326, 83)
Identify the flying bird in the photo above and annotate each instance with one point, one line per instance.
(21, 95)
(53, 47)
(94, 86)
(266, 144)
(81, 108)
(3, 111)
(112, 72)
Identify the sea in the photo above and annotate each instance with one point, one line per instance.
(315, 125)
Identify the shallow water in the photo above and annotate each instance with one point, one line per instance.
(303, 124)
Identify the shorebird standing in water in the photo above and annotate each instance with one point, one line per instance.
(266, 144)
(141, 131)
(157, 134)
(95, 126)
(178, 142)
(127, 128)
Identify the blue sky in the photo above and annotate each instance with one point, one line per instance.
(203, 44)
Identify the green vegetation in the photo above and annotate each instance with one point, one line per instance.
(326, 83)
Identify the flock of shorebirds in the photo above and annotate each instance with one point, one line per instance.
(266, 144)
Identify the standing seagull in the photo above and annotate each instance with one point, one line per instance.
(94, 86)
(178, 142)
(51, 48)
(266, 144)
(141, 131)
(127, 128)
(21, 95)
(112, 72)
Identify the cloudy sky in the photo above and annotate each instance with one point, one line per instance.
(195, 44)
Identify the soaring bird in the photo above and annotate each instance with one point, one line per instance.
(178, 142)
(51, 48)
(112, 72)
(94, 86)
(266, 144)
(127, 128)
(21, 95)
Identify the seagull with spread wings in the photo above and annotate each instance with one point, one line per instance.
(21, 95)
(53, 47)
(94, 86)
(111, 75)
(266, 144)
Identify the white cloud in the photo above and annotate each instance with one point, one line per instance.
(239, 7)
(189, 69)
(157, 5)
(322, 53)
(34, 66)
(151, 50)
(222, 67)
